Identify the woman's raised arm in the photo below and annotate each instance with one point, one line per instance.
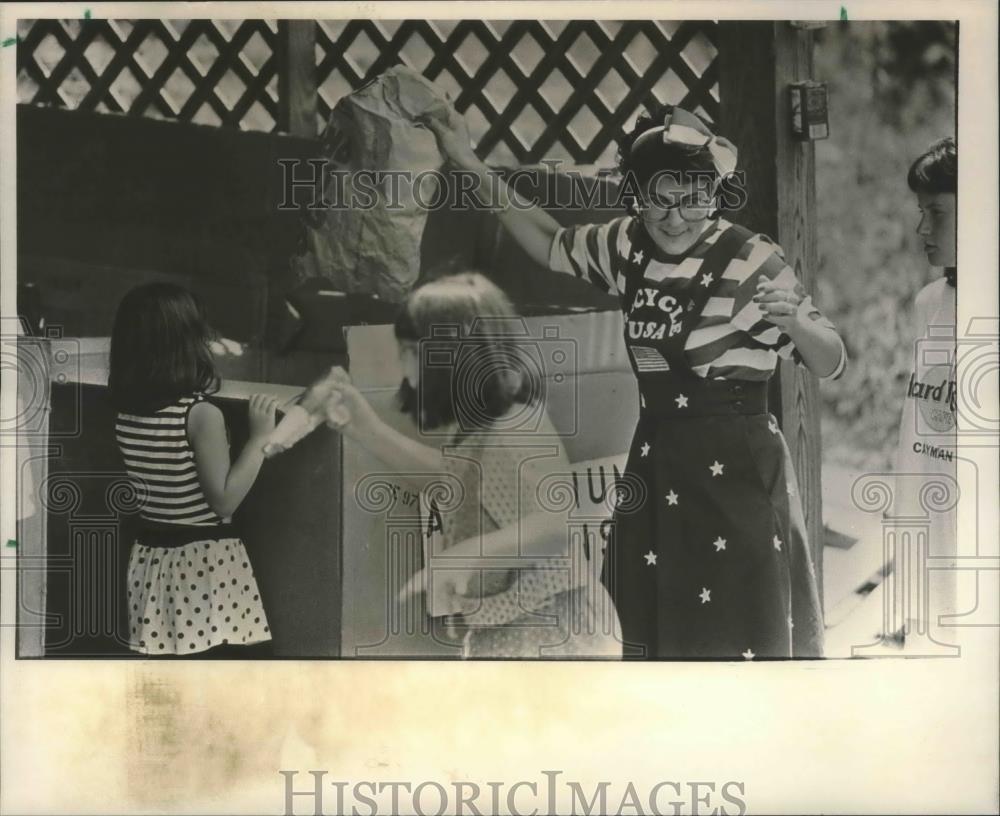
(532, 227)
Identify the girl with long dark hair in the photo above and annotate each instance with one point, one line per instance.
(191, 587)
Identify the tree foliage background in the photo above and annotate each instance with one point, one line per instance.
(892, 92)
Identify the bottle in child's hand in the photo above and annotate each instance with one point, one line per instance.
(304, 417)
(296, 424)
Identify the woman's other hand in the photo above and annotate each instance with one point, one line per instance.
(781, 306)
(817, 342)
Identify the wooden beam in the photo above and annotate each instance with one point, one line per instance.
(757, 62)
(297, 88)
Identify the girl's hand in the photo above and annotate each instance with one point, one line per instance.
(452, 133)
(457, 586)
(780, 305)
(261, 410)
(347, 409)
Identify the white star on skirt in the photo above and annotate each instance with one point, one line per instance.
(777, 543)
(650, 558)
(681, 400)
(720, 544)
(716, 468)
(749, 655)
(645, 449)
(671, 497)
(705, 595)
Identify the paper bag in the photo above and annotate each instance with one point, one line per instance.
(358, 242)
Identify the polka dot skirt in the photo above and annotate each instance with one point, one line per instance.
(184, 600)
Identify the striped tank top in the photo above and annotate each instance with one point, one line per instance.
(160, 461)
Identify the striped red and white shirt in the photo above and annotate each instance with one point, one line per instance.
(159, 460)
(730, 339)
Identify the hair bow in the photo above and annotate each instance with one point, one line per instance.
(681, 127)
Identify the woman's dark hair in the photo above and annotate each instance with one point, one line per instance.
(936, 171)
(652, 158)
(469, 371)
(159, 349)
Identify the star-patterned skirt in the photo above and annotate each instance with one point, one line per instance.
(708, 557)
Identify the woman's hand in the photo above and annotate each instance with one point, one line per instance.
(261, 409)
(452, 133)
(530, 226)
(781, 306)
(816, 341)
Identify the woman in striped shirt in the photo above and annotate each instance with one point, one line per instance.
(190, 583)
(714, 563)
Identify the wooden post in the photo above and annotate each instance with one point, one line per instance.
(757, 61)
(297, 87)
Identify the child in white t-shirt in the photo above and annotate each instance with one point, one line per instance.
(926, 459)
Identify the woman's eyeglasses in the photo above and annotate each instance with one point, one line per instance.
(690, 207)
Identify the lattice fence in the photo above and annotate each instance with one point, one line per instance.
(208, 72)
(530, 89)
